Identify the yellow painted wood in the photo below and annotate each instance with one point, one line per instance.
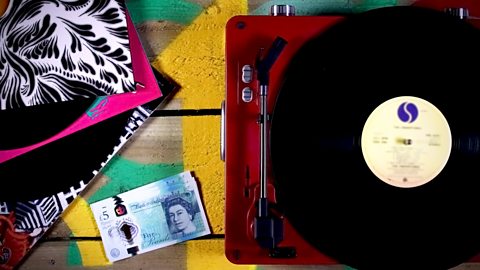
(79, 219)
(208, 254)
(81, 222)
(93, 253)
(201, 154)
(195, 59)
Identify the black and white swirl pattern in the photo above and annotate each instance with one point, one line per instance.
(54, 50)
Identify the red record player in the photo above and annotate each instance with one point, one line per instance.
(258, 52)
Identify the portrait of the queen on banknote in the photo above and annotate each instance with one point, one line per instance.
(180, 215)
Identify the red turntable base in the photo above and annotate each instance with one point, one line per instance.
(290, 154)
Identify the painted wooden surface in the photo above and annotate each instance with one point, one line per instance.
(185, 40)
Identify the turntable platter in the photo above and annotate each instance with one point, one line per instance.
(330, 192)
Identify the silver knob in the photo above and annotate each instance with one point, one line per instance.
(461, 13)
(282, 10)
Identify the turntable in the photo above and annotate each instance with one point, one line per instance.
(353, 138)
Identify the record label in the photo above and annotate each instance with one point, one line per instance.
(406, 141)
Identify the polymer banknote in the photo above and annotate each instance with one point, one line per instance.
(156, 215)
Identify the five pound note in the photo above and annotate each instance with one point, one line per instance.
(156, 215)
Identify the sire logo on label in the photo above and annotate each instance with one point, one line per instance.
(407, 112)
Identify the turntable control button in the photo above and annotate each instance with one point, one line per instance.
(247, 73)
(247, 94)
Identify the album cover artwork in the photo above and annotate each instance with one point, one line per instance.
(54, 51)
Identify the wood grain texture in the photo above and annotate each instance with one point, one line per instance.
(53, 255)
(157, 35)
(201, 144)
(159, 140)
(196, 57)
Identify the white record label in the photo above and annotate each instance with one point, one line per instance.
(406, 141)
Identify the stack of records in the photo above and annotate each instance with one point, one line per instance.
(75, 84)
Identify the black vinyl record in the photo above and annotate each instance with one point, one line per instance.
(323, 184)
(64, 163)
(29, 125)
(61, 164)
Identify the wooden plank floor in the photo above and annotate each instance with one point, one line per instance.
(184, 39)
